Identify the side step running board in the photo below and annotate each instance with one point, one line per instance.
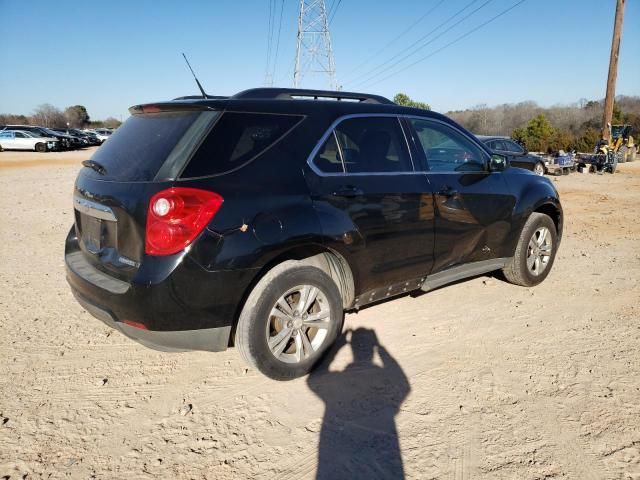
(460, 272)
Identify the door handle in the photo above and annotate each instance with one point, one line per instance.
(448, 192)
(347, 191)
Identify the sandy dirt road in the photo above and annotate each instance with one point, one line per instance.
(478, 380)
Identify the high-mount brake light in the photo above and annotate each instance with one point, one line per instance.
(151, 109)
(176, 216)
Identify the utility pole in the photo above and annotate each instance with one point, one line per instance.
(313, 47)
(613, 70)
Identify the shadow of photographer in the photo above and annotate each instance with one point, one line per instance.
(358, 438)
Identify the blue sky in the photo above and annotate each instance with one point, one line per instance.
(116, 53)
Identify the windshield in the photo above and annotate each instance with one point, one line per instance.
(618, 131)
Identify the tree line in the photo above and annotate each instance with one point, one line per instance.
(560, 127)
(47, 115)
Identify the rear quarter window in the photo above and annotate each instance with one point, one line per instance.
(236, 139)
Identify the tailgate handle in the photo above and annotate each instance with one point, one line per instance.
(93, 209)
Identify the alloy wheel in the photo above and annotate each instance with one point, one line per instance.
(539, 251)
(298, 324)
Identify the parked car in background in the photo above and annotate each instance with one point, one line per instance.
(21, 140)
(517, 155)
(257, 220)
(73, 141)
(93, 136)
(65, 142)
(86, 139)
(105, 133)
(101, 133)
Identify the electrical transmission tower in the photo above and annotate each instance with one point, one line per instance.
(313, 47)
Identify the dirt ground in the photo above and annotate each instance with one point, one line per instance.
(478, 380)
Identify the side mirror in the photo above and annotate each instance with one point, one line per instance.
(498, 163)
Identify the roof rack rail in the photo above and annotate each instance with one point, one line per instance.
(304, 94)
(199, 97)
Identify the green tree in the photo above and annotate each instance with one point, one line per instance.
(77, 116)
(618, 116)
(406, 101)
(561, 140)
(587, 141)
(538, 135)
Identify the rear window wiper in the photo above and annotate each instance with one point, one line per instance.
(92, 164)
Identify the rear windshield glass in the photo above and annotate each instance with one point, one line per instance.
(139, 148)
(236, 139)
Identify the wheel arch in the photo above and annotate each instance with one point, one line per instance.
(326, 259)
(554, 211)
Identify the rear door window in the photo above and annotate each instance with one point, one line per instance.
(513, 147)
(236, 139)
(373, 145)
(499, 145)
(145, 142)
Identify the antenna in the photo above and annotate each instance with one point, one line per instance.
(313, 47)
(204, 95)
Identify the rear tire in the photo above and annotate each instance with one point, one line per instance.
(41, 147)
(535, 253)
(275, 333)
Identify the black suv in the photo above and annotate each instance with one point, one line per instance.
(258, 219)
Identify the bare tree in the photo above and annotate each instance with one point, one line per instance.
(47, 115)
(111, 122)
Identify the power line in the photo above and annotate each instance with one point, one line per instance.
(270, 30)
(404, 32)
(275, 61)
(456, 40)
(417, 42)
(420, 47)
(335, 10)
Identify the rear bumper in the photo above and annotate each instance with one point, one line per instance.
(179, 304)
(207, 339)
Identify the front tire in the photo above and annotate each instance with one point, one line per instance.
(41, 147)
(290, 319)
(535, 252)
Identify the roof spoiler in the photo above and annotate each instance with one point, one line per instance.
(168, 107)
(303, 94)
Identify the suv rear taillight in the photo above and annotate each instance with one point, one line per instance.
(175, 218)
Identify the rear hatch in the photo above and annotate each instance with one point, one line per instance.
(113, 190)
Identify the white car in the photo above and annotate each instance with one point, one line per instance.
(22, 140)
